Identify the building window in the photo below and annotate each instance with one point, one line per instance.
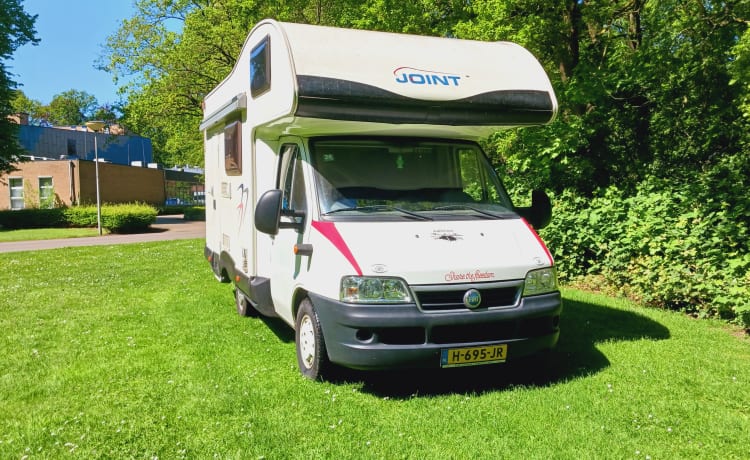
(233, 149)
(72, 151)
(260, 68)
(16, 192)
(46, 193)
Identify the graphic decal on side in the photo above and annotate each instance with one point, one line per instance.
(329, 230)
(242, 205)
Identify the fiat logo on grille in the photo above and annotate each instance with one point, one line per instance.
(472, 298)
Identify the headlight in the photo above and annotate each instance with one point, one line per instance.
(370, 289)
(540, 281)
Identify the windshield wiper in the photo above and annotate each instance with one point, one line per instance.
(470, 208)
(379, 207)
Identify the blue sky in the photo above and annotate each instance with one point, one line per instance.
(71, 33)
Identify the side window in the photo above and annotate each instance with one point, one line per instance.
(16, 192)
(260, 68)
(46, 193)
(292, 180)
(72, 148)
(233, 148)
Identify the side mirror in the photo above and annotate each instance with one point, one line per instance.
(268, 212)
(539, 214)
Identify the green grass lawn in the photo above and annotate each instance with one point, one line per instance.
(45, 234)
(135, 351)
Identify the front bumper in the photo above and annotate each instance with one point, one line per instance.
(392, 336)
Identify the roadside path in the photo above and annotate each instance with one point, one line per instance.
(165, 228)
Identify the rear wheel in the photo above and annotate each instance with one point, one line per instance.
(312, 357)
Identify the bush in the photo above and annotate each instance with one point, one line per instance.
(119, 218)
(666, 245)
(195, 213)
(32, 218)
(81, 216)
(128, 218)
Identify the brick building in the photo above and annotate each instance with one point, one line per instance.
(62, 170)
(68, 182)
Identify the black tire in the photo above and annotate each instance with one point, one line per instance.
(312, 356)
(243, 305)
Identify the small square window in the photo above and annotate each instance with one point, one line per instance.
(260, 67)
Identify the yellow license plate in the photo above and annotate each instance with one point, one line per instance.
(453, 357)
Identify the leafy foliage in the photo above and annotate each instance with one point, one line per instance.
(16, 29)
(666, 246)
(71, 108)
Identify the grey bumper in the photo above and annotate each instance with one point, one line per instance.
(390, 336)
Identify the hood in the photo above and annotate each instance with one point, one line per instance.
(435, 252)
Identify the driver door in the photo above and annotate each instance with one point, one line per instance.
(286, 266)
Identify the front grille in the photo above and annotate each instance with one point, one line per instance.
(452, 297)
(495, 331)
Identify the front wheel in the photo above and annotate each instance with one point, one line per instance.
(312, 357)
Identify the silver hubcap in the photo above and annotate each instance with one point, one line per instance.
(307, 341)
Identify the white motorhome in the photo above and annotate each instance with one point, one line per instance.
(347, 195)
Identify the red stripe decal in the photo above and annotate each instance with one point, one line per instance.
(329, 230)
(541, 243)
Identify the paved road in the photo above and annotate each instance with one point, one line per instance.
(165, 228)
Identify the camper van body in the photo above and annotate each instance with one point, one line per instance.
(347, 195)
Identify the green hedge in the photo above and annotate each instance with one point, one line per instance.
(120, 218)
(664, 245)
(195, 213)
(32, 218)
(117, 218)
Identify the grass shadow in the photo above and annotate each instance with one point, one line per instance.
(583, 326)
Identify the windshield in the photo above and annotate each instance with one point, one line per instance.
(407, 178)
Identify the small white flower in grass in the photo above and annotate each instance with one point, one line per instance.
(669, 429)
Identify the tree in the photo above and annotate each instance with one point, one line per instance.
(20, 103)
(71, 108)
(644, 87)
(16, 29)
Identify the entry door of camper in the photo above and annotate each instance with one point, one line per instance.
(285, 265)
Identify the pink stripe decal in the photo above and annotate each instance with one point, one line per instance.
(329, 230)
(539, 239)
